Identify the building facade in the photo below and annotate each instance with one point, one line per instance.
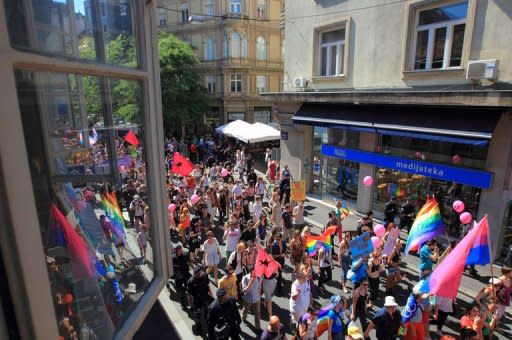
(239, 45)
(77, 76)
(416, 94)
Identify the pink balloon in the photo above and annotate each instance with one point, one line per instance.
(224, 172)
(379, 230)
(376, 242)
(194, 199)
(418, 154)
(171, 207)
(456, 159)
(368, 181)
(458, 206)
(466, 217)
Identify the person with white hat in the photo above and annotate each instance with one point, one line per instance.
(386, 321)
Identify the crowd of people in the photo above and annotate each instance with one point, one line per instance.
(225, 201)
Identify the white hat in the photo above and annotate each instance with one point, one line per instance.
(390, 302)
(132, 288)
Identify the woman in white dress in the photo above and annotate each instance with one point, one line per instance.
(211, 255)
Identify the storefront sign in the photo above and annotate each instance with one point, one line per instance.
(284, 135)
(361, 246)
(298, 191)
(476, 178)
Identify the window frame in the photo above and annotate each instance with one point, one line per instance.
(209, 49)
(265, 80)
(27, 253)
(209, 4)
(261, 48)
(184, 12)
(410, 36)
(343, 23)
(236, 45)
(162, 13)
(211, 84)
(235, 6)
(261, 15)
(339, 45)
(236, 81)
(431, 29)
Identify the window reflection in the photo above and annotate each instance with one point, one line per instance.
(94, 217)
(99, 30)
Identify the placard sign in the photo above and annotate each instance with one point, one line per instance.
(298, 191)
(390, 241)
(361, 246)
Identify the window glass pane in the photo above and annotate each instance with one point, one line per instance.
(341, 49)
(99, 254)
(457, 43)
(333, 36)
(440, 39)
(235, 43)
(445, 13)
(421, 50)
(332, 66)
(79, 29)
(323, 61)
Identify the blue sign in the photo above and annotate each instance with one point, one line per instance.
(361, 246)
(284, 135)
(476, 178)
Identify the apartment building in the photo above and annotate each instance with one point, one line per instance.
(415, 93)
(239, 45)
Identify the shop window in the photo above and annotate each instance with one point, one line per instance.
(75, 29)
(87, 164)
(232, 116)
(439, 36)
(262, 115)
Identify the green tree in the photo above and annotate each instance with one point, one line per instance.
(184, 98)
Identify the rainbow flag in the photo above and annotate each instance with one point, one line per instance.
(322, 323)
(427, 225)
(480, 252)
(114, 214)
(313, 243)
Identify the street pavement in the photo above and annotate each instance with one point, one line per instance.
(316, 216)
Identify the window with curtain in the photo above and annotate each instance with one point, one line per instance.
(261, 48)
(235, 45)
(209, 49)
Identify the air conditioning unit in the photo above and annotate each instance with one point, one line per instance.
(482, 69)
(301, 82)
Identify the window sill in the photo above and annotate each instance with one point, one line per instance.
(326, 79)
(454, 71)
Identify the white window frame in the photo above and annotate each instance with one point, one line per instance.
(431, 28)
(25, 262)
(185, 12)
(235, 6)
(261, 48)
(211, 83)
(236, 79)
(259, 80)
(339, 45)
(209, 48)
(209, 7)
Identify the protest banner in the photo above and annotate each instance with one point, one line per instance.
(361, 246)
(390, 241)
(298, 191)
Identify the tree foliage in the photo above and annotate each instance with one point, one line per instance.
(183, 96)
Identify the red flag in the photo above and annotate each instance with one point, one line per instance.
(80, 258)
(181, 165)
(265, 264)
(131, 138)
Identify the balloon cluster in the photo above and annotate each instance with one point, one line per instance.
(465, 217)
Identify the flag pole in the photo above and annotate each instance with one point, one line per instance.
(491, 261)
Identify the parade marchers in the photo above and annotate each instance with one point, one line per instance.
(221, 214)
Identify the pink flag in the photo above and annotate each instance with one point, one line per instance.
(445, 279)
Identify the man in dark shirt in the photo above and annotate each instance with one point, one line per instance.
(287, 222)
(407, 215)
(251, 176)
(390, 211)
(198, 288)
(127, 193)
(181, 263)
(386, 321)
(249, 233)
(223, 317)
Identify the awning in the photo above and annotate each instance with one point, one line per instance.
(249, 133)
(471, 125)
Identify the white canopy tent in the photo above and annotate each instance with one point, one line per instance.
(249, 133)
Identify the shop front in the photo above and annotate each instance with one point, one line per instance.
(429, 152)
